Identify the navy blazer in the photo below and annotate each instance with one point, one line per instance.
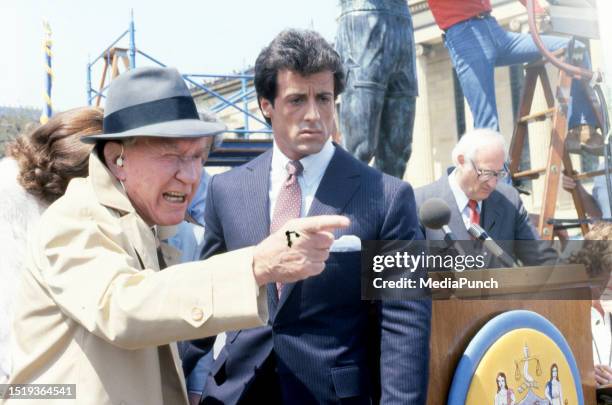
(321, 338)
(503, 217)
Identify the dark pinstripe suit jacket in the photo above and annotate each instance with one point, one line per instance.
(320, 334)
(503, 217)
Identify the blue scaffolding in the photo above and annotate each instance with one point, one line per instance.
(233, 151)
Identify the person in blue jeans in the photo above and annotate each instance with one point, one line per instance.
(478, 44)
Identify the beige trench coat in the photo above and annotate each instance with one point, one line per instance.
(94, 310)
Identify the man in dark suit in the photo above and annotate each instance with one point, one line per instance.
(475, 194)
(320, 345)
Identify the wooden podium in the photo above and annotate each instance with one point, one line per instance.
(455, 321)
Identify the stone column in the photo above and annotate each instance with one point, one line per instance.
(420, 166)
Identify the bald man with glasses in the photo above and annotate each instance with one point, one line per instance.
(476, 193)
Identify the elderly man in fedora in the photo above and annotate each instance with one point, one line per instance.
(95, 310)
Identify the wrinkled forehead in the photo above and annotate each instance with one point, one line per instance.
(491, 157)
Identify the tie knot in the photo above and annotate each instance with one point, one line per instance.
(294, 168)
(473, 204)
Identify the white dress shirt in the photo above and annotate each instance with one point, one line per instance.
(314, 168)
(461, 199)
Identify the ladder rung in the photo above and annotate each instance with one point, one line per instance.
(529, 174)
(544, 61)
(539, 116)
(588, 175)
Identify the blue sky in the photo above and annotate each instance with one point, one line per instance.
(205, 36)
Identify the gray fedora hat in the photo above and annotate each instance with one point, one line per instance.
(152, 101)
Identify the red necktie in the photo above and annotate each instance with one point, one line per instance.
(289, 201)
(474, 214)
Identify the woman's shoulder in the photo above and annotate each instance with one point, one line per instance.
(10, 169)
(16, 201)
(9, 185)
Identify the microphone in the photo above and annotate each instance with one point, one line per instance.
(435, 214)
(480, 234)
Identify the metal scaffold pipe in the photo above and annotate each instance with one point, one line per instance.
(132, 41)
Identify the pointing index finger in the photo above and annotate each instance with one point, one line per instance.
(323, 223)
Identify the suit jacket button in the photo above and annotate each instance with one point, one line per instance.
(197, 314)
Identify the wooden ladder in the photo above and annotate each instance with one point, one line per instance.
(558, 158)
(111, 59)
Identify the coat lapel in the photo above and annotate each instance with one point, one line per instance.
(491, 213)
(456, 220)
(111, 194)
(338, 185)
(141, 238)
(256, 187)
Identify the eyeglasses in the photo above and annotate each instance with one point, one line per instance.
(486, 175)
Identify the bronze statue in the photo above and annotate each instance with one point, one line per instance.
(376, 42)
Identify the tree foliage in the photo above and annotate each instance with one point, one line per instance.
(14, 121)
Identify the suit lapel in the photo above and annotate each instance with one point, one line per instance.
(256, 187)
(491, 213)
(338, 185)
(456, 221)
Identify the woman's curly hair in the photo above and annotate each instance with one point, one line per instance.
(52, 154)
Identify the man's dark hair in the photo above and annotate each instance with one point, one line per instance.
(302, 51)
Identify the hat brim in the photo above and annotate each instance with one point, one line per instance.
(189, 128)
